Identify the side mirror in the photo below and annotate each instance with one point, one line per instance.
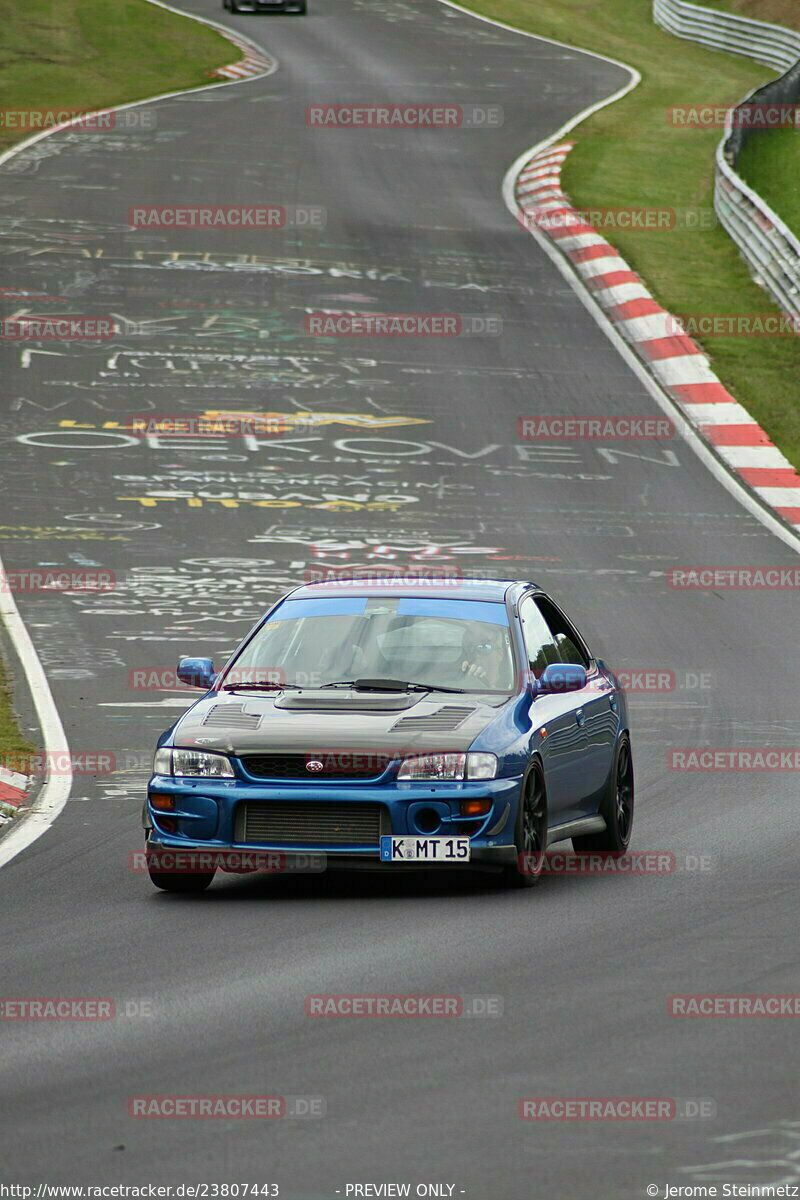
(197, 672)
(560, 677)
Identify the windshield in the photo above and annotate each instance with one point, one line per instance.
(458, 644)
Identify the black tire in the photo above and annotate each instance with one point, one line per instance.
(180, 881)
(171, 881)
(616, 807)
(530, 837)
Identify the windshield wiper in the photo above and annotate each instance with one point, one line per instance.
(369, 685)
(259, 687)
(434, 687)
(390, 685)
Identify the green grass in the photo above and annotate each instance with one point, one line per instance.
(770, 163)
(15, 749)
(628, 154)
(89, 54)
(776, 12)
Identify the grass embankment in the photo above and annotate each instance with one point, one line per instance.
(15, 749)
(90, 54)
(770, 163)
(630, 154)
(776, 12)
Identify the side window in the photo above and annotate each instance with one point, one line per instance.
(567, 641)
(539, 643)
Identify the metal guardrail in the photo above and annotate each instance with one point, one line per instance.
(769, 247)
(770, 44)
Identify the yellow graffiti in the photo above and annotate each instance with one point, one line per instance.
(361, 421)
(41, 532)
(330, 505)
(293, 420)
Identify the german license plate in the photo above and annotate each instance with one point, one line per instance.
(425, 849)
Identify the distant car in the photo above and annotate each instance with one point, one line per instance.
(253, 6)
(395, 725)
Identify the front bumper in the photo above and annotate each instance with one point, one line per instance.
(269, 5)
(205, 816)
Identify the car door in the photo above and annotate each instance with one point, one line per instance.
(563, 746)
(598, 705)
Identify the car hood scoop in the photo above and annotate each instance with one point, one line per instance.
(333, 720)
(231, 716)
(444, 720)
(346, 700)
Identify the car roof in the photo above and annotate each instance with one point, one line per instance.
(394, 585)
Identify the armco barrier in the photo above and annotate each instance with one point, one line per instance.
(770, 248)
(770, 44)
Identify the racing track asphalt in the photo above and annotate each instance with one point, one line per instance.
(415, 222)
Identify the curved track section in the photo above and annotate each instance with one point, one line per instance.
(397, 451)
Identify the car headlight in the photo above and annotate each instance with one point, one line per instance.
(448, 766)
(192, 762)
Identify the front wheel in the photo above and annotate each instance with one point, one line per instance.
(616, 807)
(531, 835)
(179, 881)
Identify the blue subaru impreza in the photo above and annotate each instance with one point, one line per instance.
(394, 724)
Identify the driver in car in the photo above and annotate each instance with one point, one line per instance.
(487, 660)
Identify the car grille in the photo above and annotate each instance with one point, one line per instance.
(354, 764)
(307, 823)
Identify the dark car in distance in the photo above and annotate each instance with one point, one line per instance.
(256, 6)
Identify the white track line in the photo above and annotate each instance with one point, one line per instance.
(56, 790)
(55, 793)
